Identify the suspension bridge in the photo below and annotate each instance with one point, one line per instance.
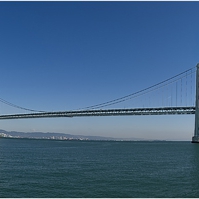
(174, 96)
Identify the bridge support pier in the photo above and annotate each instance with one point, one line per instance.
(195, 138)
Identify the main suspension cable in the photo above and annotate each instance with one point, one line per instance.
(118, 100)
(127, 97)
(19, 107)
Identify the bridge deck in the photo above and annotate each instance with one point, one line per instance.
(108, 112)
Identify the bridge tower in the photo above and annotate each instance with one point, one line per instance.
(195, 138)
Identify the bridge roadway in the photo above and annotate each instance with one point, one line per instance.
(108, 112)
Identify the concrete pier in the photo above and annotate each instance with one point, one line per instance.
(195, 139)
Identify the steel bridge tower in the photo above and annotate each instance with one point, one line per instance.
(195, 138)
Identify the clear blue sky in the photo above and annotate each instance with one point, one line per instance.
(68, 55)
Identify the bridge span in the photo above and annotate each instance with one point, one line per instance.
(108, 112)
(167, 93)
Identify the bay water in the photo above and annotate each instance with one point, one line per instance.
(98, 169)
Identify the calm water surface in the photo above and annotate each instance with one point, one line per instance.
(49, 168)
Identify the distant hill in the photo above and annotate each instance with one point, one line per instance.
(48, 135)
(41, 135)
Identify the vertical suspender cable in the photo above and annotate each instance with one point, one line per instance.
(171, 95)
(181, 92)
(176, 92)
(186, 89)
(191, 88)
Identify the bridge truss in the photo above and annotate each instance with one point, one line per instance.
(108, 112)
